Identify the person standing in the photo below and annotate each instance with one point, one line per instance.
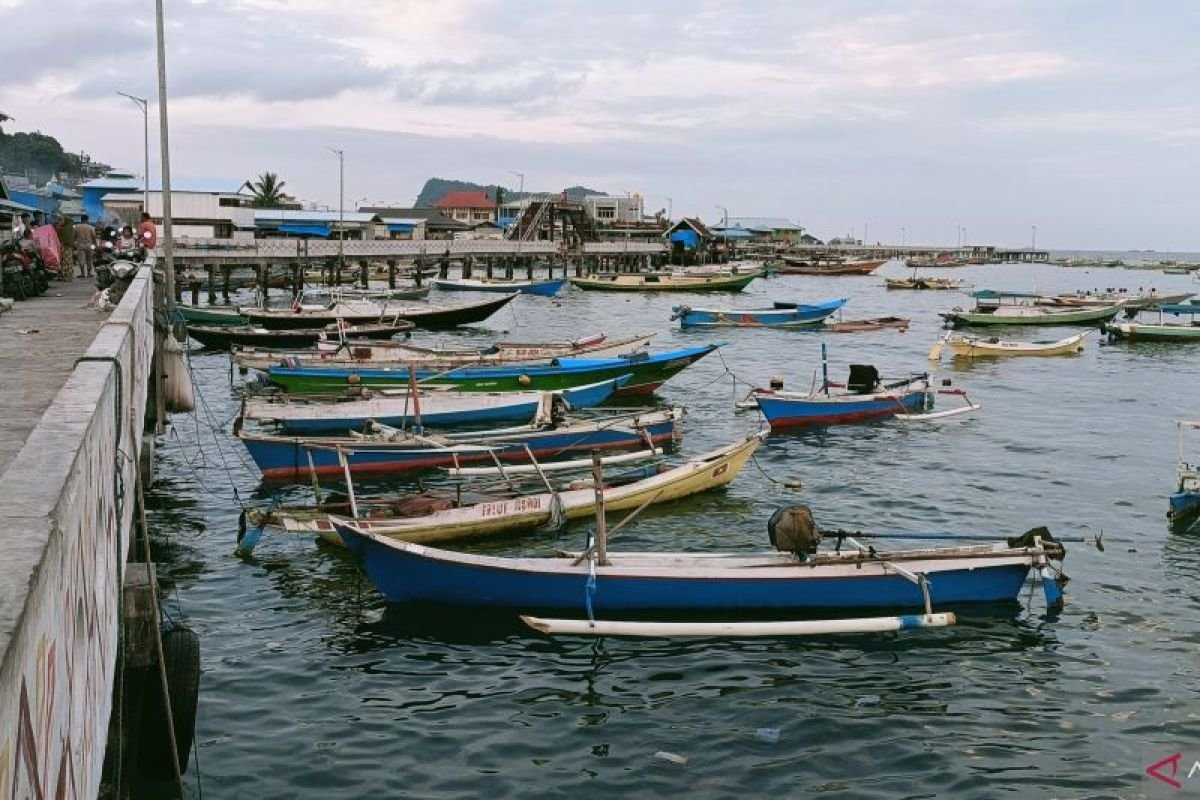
(85, 244)
(147, 232)
(66, 235)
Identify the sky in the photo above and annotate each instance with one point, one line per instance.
(904, 121)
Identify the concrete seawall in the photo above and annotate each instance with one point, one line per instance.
(66, 511)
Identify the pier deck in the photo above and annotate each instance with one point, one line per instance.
(34, 366)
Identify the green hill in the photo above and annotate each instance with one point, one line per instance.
(437, 188)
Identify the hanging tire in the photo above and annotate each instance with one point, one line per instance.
(181, 652)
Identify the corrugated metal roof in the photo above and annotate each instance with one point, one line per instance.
(764, 224)
(128, 184)
(402, 220)
(267, 215)
(12, 205)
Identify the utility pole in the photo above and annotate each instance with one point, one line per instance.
(144, 105)
(165, 152)
(1033, 243)
(341, 154)
(524, 206)
(670, 208)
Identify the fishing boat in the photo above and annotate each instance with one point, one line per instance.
(941, 260)
(390, 450)
(1161, 330)
(923, 282)
(546, 288)
(668, 281)
(600, 582)
(866, 325)
(1018, 308)
(1131, 302)
(795, 266)
(212, 316)
(400, 408)
(796, 316)
(992, 347)
(863, 397)
(645, 371)
(223, 337)
(441, 358)
(352, 293)
(703, 473)
(429, 317)
(1184, 504)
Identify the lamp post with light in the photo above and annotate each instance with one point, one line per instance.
(341, 154)
(144, 105)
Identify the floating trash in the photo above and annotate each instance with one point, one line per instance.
(674, 758)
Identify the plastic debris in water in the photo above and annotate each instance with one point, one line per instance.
(768, 735)
(674, 758)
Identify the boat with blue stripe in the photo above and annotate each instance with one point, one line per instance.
(799, 315)
(1183, 508)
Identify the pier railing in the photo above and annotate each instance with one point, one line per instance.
(215, 251)
(66, 509)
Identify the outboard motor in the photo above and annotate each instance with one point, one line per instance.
(793, 530)
(863, 378)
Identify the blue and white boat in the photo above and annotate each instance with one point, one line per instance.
(436, 408)
(852, 577)
(393, 451)
(546, 288)
(1184, 504)
(863, 398)
(799, 315)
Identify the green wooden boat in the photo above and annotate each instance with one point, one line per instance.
(213, 316)
(646, 372)
(1018, 308)
(1160, 331)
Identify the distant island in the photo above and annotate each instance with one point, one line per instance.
(437, 188)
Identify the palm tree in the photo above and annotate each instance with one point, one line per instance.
(268, 191)
(3, 119)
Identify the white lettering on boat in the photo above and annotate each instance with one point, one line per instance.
(510, 506)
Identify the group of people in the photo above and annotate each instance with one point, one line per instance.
(65, 247)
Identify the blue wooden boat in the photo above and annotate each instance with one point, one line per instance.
(647, 372)
(1184, 504)
(288, 458)
(863, 398)
(434, 408)
(854, 577)
(798, 315)
(546, 288)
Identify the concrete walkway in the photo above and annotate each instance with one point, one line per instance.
(34, 366)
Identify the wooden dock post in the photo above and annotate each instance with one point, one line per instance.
(225, 277)
(444, 269)
(263, 277)
(468, 267)
(529, 268)
(212, 283)
(488, 267)
(508, 269)
(363, 276)
(391, 262)
(194, 286)
(297, 278)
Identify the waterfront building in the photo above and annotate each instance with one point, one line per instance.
(437, 225)
(764, 229)
(114, 182)
(320, 223)
(470, 207)
(401, 228)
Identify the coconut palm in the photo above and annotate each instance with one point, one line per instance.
(268, 191)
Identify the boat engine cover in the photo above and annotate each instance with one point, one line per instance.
(793, 530)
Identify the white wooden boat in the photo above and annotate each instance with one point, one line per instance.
(992, 346)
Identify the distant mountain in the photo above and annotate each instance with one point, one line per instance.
(437, 188)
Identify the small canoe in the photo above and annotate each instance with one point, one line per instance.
(985, 347)
(429, 317)
(392, 451)
(797, 315)
(439, 408)
(546, 288)
(943, 284)
(1183, 506)
(703, 473)
(442, 358)
(213, 316)
(852, 577)
(381, 293)
(216, 337)
(667, 282)
(865, 325)
(800, 267)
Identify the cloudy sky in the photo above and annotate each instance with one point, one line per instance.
(1077, 117)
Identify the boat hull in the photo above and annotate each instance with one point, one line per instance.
(227, 336)
(407, 573)
(798, 316)
(968, 347)
(1049, 316)
(667, 283)
(282, 458)
(427, 318)
(1137, 332)
(211, 316)
(790, 412)
(540, 288)
(646, 373)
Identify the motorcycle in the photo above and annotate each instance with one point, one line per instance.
(18, 277)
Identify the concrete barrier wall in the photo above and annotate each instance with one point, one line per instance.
(66, 508)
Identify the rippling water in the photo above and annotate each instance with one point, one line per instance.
(312, 687)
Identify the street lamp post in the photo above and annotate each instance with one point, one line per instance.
(1033, 241)
(670, 208)
(144, 105)
(341, 154)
